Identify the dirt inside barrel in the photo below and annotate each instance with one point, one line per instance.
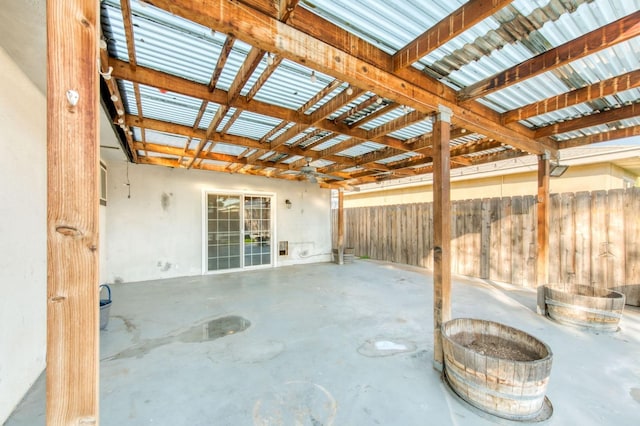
(495, 347)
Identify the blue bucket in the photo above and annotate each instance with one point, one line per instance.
(105, 306)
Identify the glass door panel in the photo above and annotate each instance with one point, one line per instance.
(223, 232)
(257, 230)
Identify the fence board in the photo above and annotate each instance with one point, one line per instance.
(615, 235)
(485, 238)
(632, 235)
(583, 238)
(599, 243)
(593, 237)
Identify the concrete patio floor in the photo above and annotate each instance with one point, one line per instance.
(308, 352)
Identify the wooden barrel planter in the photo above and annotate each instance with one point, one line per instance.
(499, 369)
(347, 256)
(631, 293)
(584, 306)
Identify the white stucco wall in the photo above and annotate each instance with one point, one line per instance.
(23, 250)
(146, 241)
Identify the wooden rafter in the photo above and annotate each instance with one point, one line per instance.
(630, 80)
(384, 109)
(232, 119)
(318, 141)
(320, 95)
(362, 105)
(605, 117)
(286, 8)
(270, 69)
(222, 60)
(474, 116)
(127, 19)
(451, 26)
(251, 62)
(612, 134)
(616, 32)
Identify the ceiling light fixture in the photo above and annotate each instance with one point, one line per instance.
(379, 101)
(269, 59)
(349, 91)
(313, 77)
(114, 98)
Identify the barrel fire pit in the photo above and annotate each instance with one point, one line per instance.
(499, 369)
(583, 306)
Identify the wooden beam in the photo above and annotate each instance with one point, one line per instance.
(542, 264)
(318, 141)
(222, 60)
(450, 27)
(382, 110)
(270, 69)
(125, 7)
(286, 8)
(72, 373)
(269, 34)
(288, 134)
(441, 232)
(362, 105)
(337, 102)
(251, 62)
(320, 95)
(341, 226)
(630, 80)
(616, 32)
(615, 114)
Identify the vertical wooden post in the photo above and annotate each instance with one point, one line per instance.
(441, 231)
(72, 212)
(542, 272)
(341, 226)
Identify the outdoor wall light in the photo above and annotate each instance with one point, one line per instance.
(288, 203)
(557, 170)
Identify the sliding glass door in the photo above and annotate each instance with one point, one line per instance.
(238, 231)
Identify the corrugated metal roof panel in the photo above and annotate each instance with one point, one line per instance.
(290, 85)
(361, 149)
(331, 142)
(225, 148)
(384, 119)
(416, 129)
(354, 103)
(165, 138)
(399, 157)
(252, 125)
(376, 22)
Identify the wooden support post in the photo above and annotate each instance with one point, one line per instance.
(542, 273)
(441, 231)
(72, 212)
(341, 226)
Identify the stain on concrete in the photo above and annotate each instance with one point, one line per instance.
(118, 280)
(131, 327)
(296, 403)
(165, 200)
(635, 394)
(164, 267)
(210, 330)
(385, 347)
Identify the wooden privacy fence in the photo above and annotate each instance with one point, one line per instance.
(593, 237)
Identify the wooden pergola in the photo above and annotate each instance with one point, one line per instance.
(366, 84)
